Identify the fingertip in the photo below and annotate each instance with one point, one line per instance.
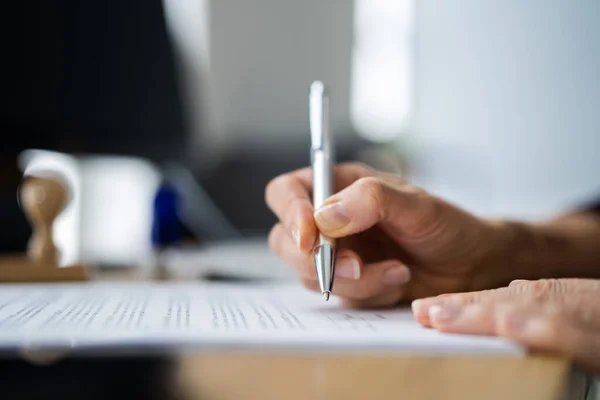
(432, 312)
(421, 313)
(348, 265)
(397, 274)
(423, 320)
(417, 307)
(443, 316)
(420, 307)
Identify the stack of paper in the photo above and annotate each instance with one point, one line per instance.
(174, 315)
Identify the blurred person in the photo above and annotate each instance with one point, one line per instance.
(397, 243)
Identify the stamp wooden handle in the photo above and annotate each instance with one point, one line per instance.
(42, 200)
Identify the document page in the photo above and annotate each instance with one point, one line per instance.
(207, 315)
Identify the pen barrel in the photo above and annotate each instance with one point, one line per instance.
(322, 183)
(322, 177)
(322, 158)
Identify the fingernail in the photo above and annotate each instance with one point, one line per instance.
(420, 308)
(333, 216)
(443, 313)
(347, 268)
(396, 275)
(296, 235)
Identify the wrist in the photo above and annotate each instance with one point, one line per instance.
(515, 250)
(561, 248)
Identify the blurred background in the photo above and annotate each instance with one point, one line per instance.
(493, 105)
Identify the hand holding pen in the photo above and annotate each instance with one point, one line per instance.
(393, 242)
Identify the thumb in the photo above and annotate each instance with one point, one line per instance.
(373, 200)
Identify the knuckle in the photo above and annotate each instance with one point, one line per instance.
(482, 297)
(526, 289)
(374, 188)
(537, 289)
(271, 190)
(371, 184)
(542, 289)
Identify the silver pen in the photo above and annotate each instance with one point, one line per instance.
(322, 160)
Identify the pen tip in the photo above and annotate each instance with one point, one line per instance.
(326, 295)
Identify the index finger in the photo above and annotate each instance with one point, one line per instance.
(289, 197)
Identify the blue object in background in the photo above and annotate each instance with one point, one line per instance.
(167, 228)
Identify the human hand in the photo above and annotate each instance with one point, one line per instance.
(558, 315)
(395, 241)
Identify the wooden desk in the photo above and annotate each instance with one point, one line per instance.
(266, 377)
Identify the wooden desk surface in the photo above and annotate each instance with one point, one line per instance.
(265, 377)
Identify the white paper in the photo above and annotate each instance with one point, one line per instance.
(175, 315)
